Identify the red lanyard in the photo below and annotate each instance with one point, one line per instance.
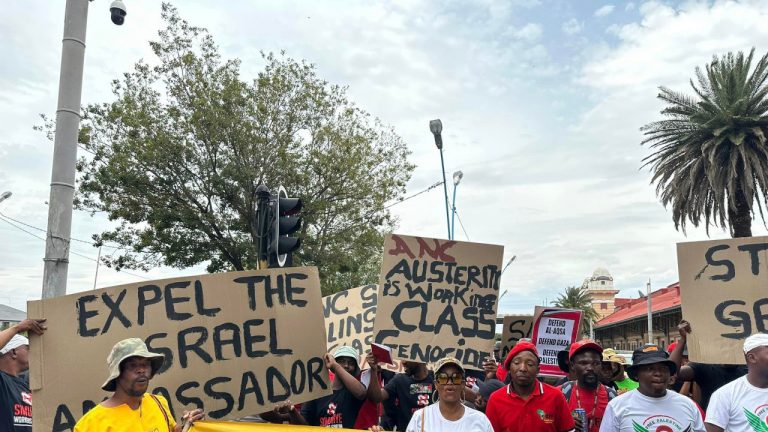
(578, 399)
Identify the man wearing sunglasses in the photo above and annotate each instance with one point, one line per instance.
(586, 392)
(527, 404)
(412, 390)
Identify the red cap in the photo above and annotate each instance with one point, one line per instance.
(517, 349)
(582, 345)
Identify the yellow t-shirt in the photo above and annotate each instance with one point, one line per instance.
(148, 418)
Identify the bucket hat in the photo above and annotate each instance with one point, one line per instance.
(132, 347)
(347, 351)
(649, 354)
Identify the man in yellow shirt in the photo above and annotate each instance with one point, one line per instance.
(131, 408)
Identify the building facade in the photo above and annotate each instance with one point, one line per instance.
(600, 287)
(627, 327)
(10, 316)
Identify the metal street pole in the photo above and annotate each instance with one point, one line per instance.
(650, 312)
(65, 150)
(436, 127)
(457, 176)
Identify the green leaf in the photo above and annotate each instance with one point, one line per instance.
(638, 428)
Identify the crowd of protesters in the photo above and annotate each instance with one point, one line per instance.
(659, 391)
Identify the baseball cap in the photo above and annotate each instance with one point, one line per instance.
(610, 355)
(517, 349)
(649, 354)
(446, 361)
(563, 357)
(485, 388)
(15, 342)
(755, 341)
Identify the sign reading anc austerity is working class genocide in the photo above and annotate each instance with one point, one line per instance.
(349, 318)
(724, 295)
(438, 298)
(235, 344)
(554, 329)
(515, 328)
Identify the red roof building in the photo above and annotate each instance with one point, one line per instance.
(627, 327)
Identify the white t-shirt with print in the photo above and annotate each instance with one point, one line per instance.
(634, 412)
(737, 405)
(471, 421)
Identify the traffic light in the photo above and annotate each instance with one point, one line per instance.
(284, 223)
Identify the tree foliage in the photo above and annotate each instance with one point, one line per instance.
(710, 159)
(578, 298)
(176, 158)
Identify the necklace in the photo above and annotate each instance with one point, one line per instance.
(594, 407)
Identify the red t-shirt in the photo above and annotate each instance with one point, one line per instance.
(545, 410)
(585, 398)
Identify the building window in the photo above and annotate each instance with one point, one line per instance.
(603, 306)
(602, 282)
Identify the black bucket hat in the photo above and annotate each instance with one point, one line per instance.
(649, 354)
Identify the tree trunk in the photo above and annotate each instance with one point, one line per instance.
(740, 217)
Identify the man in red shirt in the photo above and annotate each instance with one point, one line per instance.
(586, 392)
(526, 404)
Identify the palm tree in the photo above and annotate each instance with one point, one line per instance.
(578, 298)
(710, 158)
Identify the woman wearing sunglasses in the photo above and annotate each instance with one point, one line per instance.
(449, 413)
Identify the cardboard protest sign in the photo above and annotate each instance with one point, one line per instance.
(724, 295)
(234, 343)
(515, 328)
(554, 329)
(438, 298)
(349, 318)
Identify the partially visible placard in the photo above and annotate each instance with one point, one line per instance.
(516, 327)
(235, 343)
(349, 317)
(554, 329)
(438, 298)
(724, 295)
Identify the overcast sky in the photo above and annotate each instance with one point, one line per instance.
(541, 103)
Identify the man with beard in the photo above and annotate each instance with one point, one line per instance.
(411, 390)
(652, 407)
(131, 366)
(586, 392)
(339, 409)
(742, 405)
(526, 404)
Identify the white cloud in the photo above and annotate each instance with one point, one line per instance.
(629, 7)
(530, 32)
(605, 10)
(572, 27)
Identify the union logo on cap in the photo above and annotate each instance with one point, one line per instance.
(651, 348)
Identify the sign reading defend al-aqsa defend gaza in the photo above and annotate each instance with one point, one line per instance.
(235, 343)
(724, 295)
(438, 298)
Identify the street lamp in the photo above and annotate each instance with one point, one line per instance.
(436, 126)
(5, 196)
(457, 176)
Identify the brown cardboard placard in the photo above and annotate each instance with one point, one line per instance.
(237, 343)
(724, 295)
(438, 298)
(515, 328)
(349, 318)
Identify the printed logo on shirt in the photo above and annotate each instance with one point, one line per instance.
(758, 420)
(661, 423)
(26, 397)
(331, 409)
(420, 388)
(546, 418)
(422, 400)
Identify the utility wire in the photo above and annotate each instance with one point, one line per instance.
(414, 195)
(3, 218)
(114, 245)
(462, 225)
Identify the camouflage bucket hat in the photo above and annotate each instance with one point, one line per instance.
(133, 347)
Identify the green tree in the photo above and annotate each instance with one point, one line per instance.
(578, 298)
(176, 158)
(710, 160)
